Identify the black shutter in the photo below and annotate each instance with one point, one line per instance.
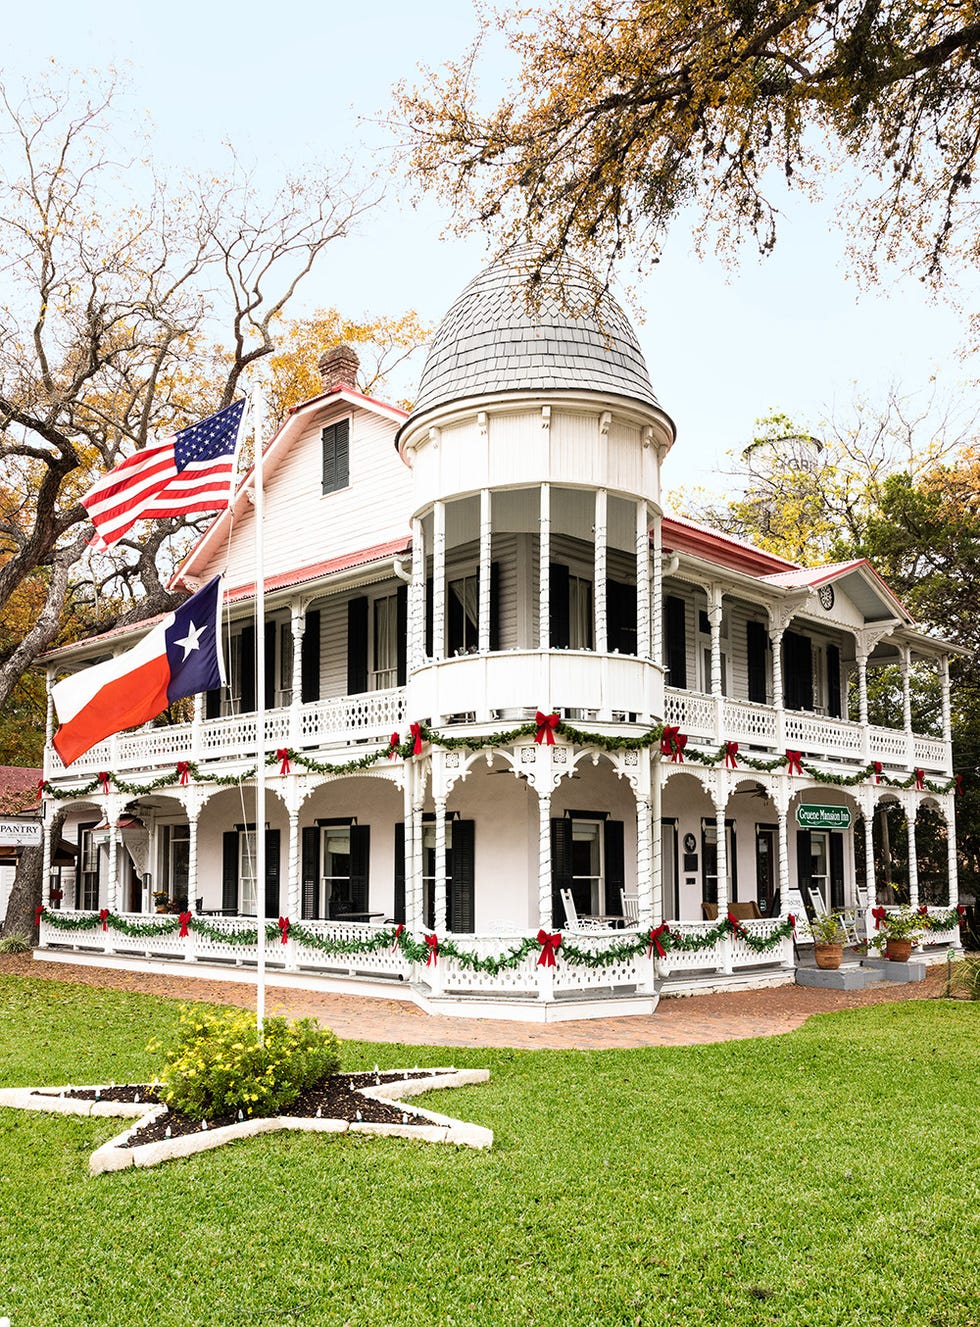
(495, 605)
(732, 860)
(272, 850)
(710, 887)
(311, 658)
(833, 685)
(620, 617)
(615, 867)
(455, 623)
(357, 641)
(247, 692)
(797, 671)
(270, 665)
(212, 704)
(461, 887)
(311, 871)
(676, 631)
(360, 860)
(229, 871)
(401, 626)
(836, 870)
(336, 452)
(804, 868)
(561, 869)
(756, 644)
(429, 634)
(559, 630)
(399, 909)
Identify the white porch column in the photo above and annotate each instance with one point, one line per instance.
(778, 702)
(439, 917)
(297, 626)
(861, 659)
(913, 857)
(952, 864)
(412, 920)
(782, 801)
(906, 667)
(721, 851)
(416, 599)
(197, 720)
(545, 920)
(642, 582)
(193, 816)
(715, 612)
(486, 534)
(599, 588)
(947, 718)
(544, 570)
(112, 810)
(652, 909)
(439, 581)
(656, 592)
(871, 883)
(644, 863)
(294, 875)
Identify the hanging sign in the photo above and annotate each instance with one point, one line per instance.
(811, 816)
(20, 833)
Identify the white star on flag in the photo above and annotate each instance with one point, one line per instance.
(192, 641)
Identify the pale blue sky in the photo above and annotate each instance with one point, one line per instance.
(291, 83)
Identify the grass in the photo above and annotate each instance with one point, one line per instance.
(831, 1176)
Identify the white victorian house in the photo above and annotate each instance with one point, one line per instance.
(456, 576)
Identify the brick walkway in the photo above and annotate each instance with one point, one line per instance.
(693, 1020)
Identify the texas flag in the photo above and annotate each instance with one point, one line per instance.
(180, 656)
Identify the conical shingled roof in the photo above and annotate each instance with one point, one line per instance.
(500, 335)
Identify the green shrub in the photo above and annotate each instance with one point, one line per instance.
(966, 978)
(15, 943)
(216, 1065)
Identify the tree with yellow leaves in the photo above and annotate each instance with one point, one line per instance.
(624, 111)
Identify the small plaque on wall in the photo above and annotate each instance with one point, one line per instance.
(690, 861)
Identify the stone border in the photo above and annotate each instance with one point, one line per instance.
(114, 1155)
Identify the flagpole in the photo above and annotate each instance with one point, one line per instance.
(258, 434)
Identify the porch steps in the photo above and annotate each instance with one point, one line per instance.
(848, 977)
(532, 1010)
(680, 984)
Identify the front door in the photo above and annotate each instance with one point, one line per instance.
(765, 868)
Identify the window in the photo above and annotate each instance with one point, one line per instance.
(336, 438)
(463, 616)
(384, 672)
(247, 872)
(587, 863)
(87, 881)
(176, 864)
(709, 861)
(581, 617)
(335, 891)
(587, 857)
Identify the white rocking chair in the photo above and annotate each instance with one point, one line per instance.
(631, 907)
(573, 922)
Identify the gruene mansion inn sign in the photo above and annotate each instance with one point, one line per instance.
(810, 815)
(20, 832)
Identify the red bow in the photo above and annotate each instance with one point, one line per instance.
(880, 915)
(104, 918)
(791, 918)
(549, 942)
(185, 921)
(735, 924)
(398, 930)
(654, 937)
(959, 785)
(547, 723)
(284, 929)
(39, 912)
(183, 771)
(283, 755)
(103, 777)
(923, 911)
(920, 779)
(433, 942)
(42, 785)
(731, 751)
(672, 743)
(417, 735)
(877, 769)
(393, 742)
(961, 909)
(794, 762)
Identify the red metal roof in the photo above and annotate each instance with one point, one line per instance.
(683, 536)
(347, 562)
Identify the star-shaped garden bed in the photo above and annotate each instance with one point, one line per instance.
(372, 1103)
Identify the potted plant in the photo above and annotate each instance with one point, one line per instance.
(899, 932)
(828, 940)
(161, 900)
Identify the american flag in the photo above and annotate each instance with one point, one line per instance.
(190, 471)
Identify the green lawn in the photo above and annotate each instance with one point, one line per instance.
(827, 1177)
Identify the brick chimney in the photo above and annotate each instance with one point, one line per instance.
(338, 367)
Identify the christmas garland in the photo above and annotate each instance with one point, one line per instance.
(672, 742)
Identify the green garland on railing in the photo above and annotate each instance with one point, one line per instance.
(582, 737)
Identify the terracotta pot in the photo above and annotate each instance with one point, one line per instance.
(160, 908)
(899, 951)
(828, 956)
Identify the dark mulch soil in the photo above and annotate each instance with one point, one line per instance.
(335, 1098)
